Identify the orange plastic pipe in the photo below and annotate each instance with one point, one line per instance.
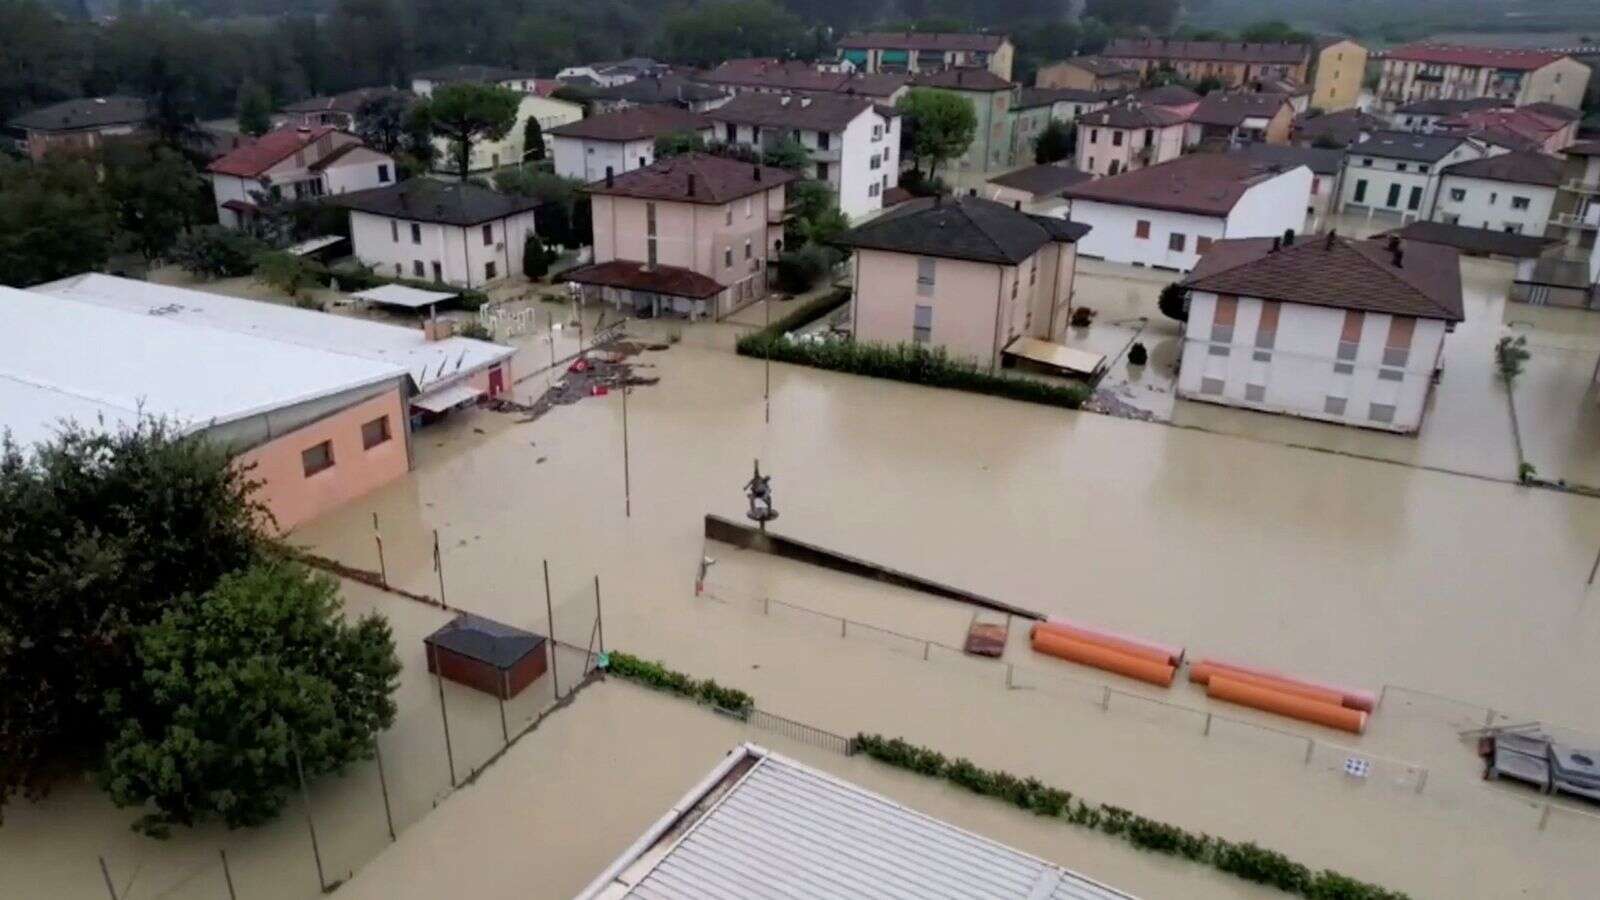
(1059, 645)
(1354, 698)
(1232, 690)
(1173, 653)
(1108, 640)
(1202, 673)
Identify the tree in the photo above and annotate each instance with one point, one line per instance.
(710, 32)
(1208, 84)
(1274, 31)
(1056, 142)
(787, 154)
(535, 258)
(943, 126)
(1156, 15)
(284, 271)
(678, 143)
(1174, 302)
(238, 690)
(102, 529)
(815, 218)
(464, 114)
(55, 220)
(156, 193)
(532, 140)
(216, 252)
(563, 213)
(255, 109)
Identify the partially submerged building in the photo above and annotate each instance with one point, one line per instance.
(926, 51)
(620, 141)
(448, 232)
(292, 163)
(760, 826)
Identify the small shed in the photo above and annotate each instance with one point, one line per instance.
(403, 297)
(491, 656)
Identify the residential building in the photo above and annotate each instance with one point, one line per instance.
(659, 90)
(854, 143)
(1128, 136)
(1234, 63)
(1347, 331)
(1228, 119)
(1396, 172)
(1326, 165)
(761, 825)
(1167, 215)
(966, 275)
(1575, 217)
(1297, 94)
(1335, 129)
(771, 76)
(1067, 104)
(688, 236)
(1171, 97)
(991, 97)
(423, 83)
(619, 141)
(510, 150)
(341, 111)
(1031, 112)
(79, 126)
(1038, 188)
(1088, 73)
(292, 164)
(1518, 76)
(1511, 192)
(925, 51)
(1542, 128)
(453, 233)
(1424, 116)
(1336, 74)
(612, 74)
(318, 407)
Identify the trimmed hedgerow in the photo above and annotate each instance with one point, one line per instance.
(658, 676)
(1245, 860)
(797, 318)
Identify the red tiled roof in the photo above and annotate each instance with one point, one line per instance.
(823, 113)
(267, 151)
(801, 78)
(962, 80)
(1514, 168)
(1207, 51)
(636, 123)
(1522, 121)
(1131, 115)
(1490, 57)
(638, 276)
(712, 179)
(1205, 184)
(921, 40)
(1218, 108)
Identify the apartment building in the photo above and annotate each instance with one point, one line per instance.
(1128, 136)
(1397, 172)
(1234, 63)
(1088, 73)
(1443, 72)
(619, 141)
(924, 51)
(454, 233)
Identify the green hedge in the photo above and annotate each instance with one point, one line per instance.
(364, 279)
(1246, 860)
(658, 676)
(800, 317)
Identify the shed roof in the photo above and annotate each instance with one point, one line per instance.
(1516, 168)
(1231, 109)
(1337, 272)
(980, 80)
(1320, 160)
(969, 228)
(1206, 184)
(694, 178)
(1344, 127)
(485, 640)
(764, 826)
(430, 200)
(1132, 115)
(85, 112)
(636, 123)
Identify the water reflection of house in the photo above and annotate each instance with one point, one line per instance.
(320, 405)
(1348, 331)
(691, 235)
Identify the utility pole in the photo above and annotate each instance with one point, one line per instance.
(627, 475)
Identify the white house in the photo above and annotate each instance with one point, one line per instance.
(293, 164)
(1348, 331)
(1166, 216)
(854, 143)
(510, 150)
(1326, 165)
(424, 82)
(619, 141)
(452, 233)
(1513, 192)
(1397, 172)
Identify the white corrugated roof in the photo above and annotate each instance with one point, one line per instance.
(785, 830)
(62, 360)
(401, 295)
(426, 361)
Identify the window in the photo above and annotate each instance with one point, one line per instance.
(1381, 412)
(1350, 334)
(1416, 199)
(1361, 191)
(375, 432)
(1397, 348)
(727, 257)
(489, 270)
(1423, 168)
(873, 162)
(1494, 197)
(1519, 202)
(1141, 229)
(1394, 196)
(1116, 139)
(922, 325)
(1094, 135)
(822, 171)
(1149, 136)
(727, 215)
(823, 136)
(317, 458)
(1267, 328)
(416, 233)
(1223, 317)
(1211, 386)
(417, 268)
(733, 133)
(1255, 393)
(1033, 269)
(650, 218)
(1391, 375)
(925, 265)
(1400, 167)
(872, 189)
(394, 230)
(1176, 242)
(1513, 228)
(749, 207)
(1367, 161)
(438, 271)
(650, 251)
(1458, 194)
(488, 235)
(383, 173)
(1333, 406)
(877, 132)
(748, 250)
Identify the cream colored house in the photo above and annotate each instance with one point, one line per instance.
(1520, 77)
(1088, 73)
(1336, 74)
(510, 150)
(967, 275)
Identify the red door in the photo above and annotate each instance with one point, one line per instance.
(497, 381)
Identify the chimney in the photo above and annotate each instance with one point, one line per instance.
(805, 102)
(1016, 205)
(1394, 243)
(1277, 242)
(972, 192)
(785, 100)
(611, 179)
(1329, 244)
(1288, 237)
(1399, 256)
(755, 172)
(691, 184)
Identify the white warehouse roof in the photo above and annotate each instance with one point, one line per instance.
(61, 360)
(764, 826)
(429, 363)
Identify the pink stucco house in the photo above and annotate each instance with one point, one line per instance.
(965, 274)
(691, 235)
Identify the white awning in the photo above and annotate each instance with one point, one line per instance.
(305, 248)
(400, 295)
(1056, 356)
(447, 398)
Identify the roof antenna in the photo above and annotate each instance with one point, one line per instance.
(1288, 237)
(1329, 244)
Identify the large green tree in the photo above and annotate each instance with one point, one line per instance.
(1056, 142)
(941, 126)
(464, 114)
(157, 195)
(708, 33)
(255, 109)
(55, 220)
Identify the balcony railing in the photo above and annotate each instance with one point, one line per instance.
(1570, 220)
(1581, 187)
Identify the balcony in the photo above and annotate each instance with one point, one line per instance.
(1581, 187)
(1572, 220)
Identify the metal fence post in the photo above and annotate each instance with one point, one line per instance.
(1544, 817)
(1008, 675)
(1422, 780)
(106, 871)
(305, 804)
(444, 715)
(1311, 747)
(438, 566)
(1105, 700)
(549, 611)
(227, 875)
(1207, 731)
(599, 619)
(383, 785)
(377, 536)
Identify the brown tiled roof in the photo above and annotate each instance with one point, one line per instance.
(713, 179)
(1583, 148)
(1096, 65)
(921, 40)
(1491, 57)
(1219, 51)
(1337, 272)
(1167, 95)
(1231, 109)
(1344, 126)
(460, 203)
(1476, 240)
(819, 113)
(87, 112)
(638, 276)
(1042, 180)
(1516, 168)
(962, 80)
(1553, 111)
(1206, 184)
(636, 123)
(800, 77)
(1131, 115)
(969, 228)
(267, 151)
(347, 102)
